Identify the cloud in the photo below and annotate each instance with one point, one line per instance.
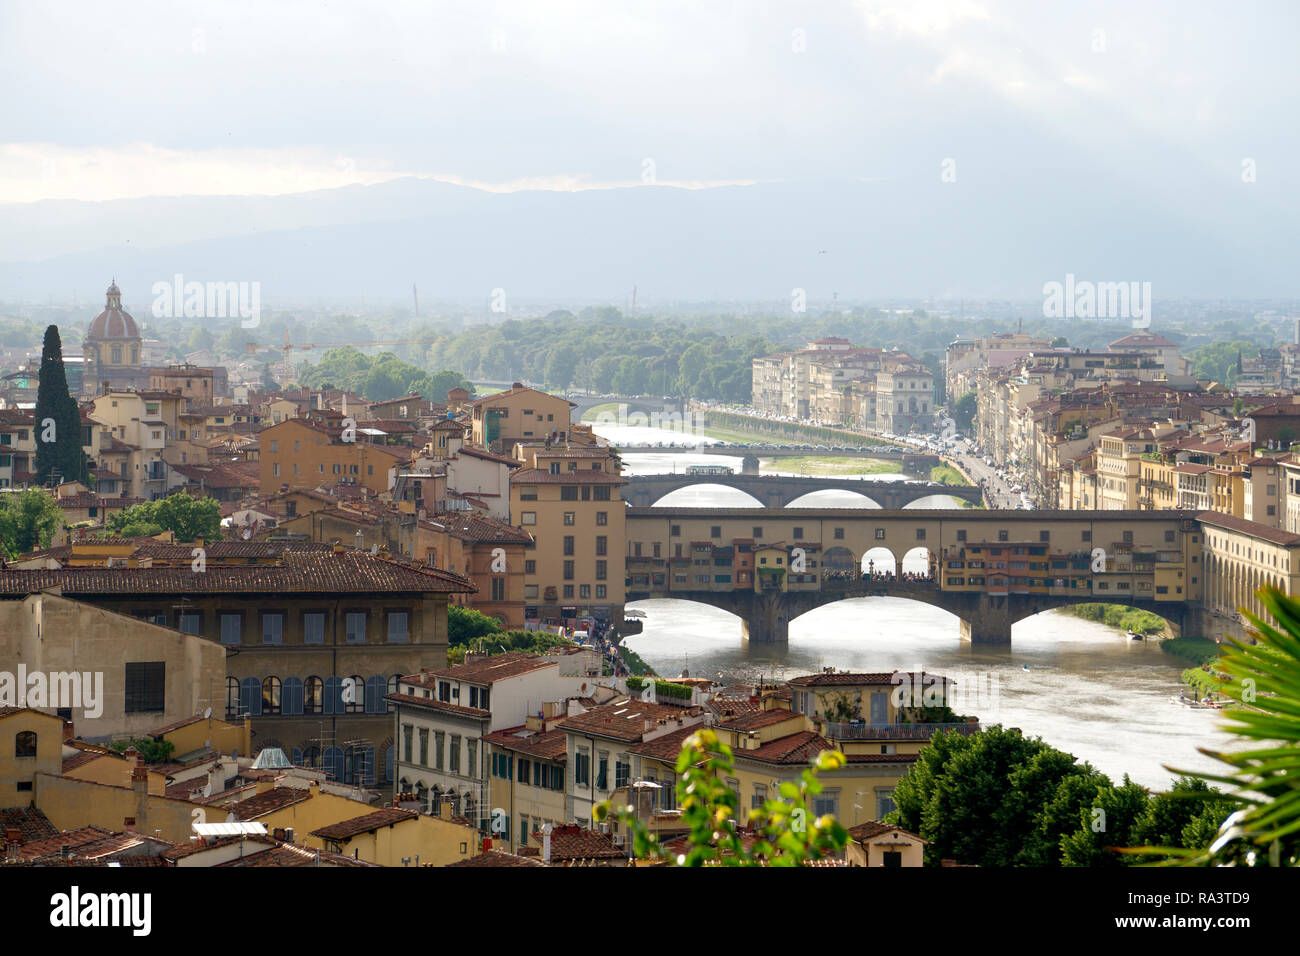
(30, 172)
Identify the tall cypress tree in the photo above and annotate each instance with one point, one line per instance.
(58, 419)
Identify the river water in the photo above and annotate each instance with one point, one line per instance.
(1083, 687)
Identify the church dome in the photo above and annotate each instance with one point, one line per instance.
(113, 322)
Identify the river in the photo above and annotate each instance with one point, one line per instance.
(1083, 687)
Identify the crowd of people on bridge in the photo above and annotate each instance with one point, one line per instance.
(878, 576)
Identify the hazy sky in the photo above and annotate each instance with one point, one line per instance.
(109, 100)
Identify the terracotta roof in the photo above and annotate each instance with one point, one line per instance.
(198, 846)
(444, 706)
(261, 804)
(797, 748)
(666, 748)
(485, 670)
(1264, 532)
(518, 391)
(348, 571)
(82, 758)
(546, 745)
(474, 526)
(762, 718)
(874, 828)
(475, 452)
(573, 842)
(84, 843)
(625, 719)
(366, 823)
(498, 858)
(175, 725)
(30, 823)
(244, 474)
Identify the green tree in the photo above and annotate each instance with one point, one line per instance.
(28, 521)
(59, 454)
(465, 625)
(963, 412)
(189, 519)
(958, 796)
(785, 834)
(1108, 824)
(560, 367)
(1168, 816)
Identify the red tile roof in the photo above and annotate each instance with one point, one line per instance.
(348, 571)
(366, 823)
(626, 719)
(546, 745)
(797, 748)
(263, 803)
(498, 858)
(573, 842)
(486, 670)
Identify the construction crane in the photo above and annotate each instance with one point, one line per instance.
(252, 347)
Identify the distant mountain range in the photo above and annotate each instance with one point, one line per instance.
(861, 240)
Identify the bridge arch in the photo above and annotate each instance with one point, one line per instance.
(1171, 613)
(878, 560)
(937, 500)
(838, 559)
(691, 494)
(833, 498)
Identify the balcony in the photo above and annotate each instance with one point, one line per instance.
(863, 730)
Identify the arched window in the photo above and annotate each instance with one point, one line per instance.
(232, 697)
(25, 744)
(271, 687)
(313, 699)
(357, 704)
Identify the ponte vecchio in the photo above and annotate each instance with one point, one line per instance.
(989, 568)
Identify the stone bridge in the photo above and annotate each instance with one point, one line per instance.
(775, 491)
(985, 619)
(989, 568)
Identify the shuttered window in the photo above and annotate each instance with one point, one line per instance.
(145, 687)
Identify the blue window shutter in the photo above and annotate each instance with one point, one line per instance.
(292, 696)
(369, 758)
(297, 756)
(250, 696)
(333, 762)
(376, 688)
(390, 759)
(333, 695)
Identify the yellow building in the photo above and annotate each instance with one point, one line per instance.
(325, 447)
(395, 837)
(879, 844)
(31, 742)
(527, 779)
(199, 734)
(518, 414)
(576, 518)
